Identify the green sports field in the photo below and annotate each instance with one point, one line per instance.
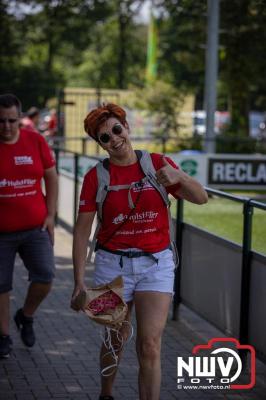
(225, 218)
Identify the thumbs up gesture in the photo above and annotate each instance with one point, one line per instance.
(188, 188)
(168, 175)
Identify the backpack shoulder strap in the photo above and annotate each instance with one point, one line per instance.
(149, 171)
(103, 177)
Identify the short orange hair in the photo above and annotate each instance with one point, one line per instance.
(99, 115)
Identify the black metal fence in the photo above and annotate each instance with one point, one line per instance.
(247, 263)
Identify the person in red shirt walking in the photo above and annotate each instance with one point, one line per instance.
(27, 218)
(133, 240)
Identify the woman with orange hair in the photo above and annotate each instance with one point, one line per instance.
(133, 240)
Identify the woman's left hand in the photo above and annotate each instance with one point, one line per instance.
(168, 175)
(188, 188)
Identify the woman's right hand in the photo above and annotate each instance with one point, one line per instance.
(75, 299)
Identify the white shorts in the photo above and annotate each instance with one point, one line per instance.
(139, 274)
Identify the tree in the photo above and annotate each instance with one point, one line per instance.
(182, 38)
(116, 56)
(243, 38)
(242, 50)
(10, 48)
(52, 35)
(126, 10)
(164, 102)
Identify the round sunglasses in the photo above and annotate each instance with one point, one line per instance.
(105, 137)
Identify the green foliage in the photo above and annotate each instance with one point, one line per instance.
(72, 42)
(243, 37)
(164, 102)
(229, 142)
(45, 45)
(43, 38)
(182, 41)
(100, 60)
(242, 86)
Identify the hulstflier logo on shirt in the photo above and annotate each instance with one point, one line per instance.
(119, 219)
(139, 186)
(23, 160)
(18, 183)
(143, 217)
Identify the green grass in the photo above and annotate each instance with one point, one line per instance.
(225, 218)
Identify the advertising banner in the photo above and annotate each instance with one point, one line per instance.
(224, 171)
(236, 172)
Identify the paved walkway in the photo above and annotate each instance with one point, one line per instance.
(64, 362)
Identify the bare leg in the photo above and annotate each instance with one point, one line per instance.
(4, 313)
(151, 314)
(36, 294)
(106, 360)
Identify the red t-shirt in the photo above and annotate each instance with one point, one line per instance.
(22, 165)
(147, 226)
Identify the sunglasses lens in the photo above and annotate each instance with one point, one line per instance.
(117, 129)
(104, 138)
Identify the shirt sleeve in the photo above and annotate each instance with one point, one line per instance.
(157, 160)
(47, 155)
(87, 201)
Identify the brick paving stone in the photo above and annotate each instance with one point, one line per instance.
(25, 396)
(64, 362)
(41, 393)
(6, 396)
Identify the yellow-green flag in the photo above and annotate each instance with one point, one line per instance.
(151, 69)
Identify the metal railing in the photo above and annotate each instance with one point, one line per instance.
(246, 257)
